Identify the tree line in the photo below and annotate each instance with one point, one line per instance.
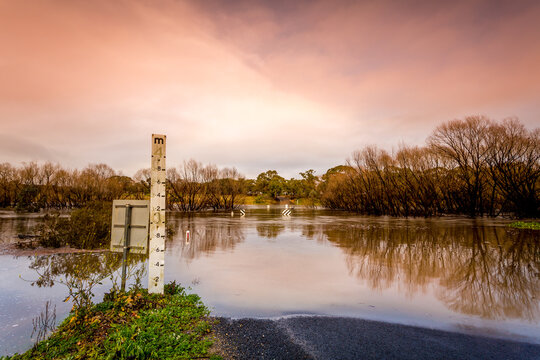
(32, 186)
(475, 167)
(191, 187)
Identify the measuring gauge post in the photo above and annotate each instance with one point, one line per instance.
(157, 215)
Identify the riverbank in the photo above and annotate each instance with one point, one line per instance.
(129, 325)
(329, 338)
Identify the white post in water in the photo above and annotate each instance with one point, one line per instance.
(156, 261)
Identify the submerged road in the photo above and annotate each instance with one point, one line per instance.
(331, 338)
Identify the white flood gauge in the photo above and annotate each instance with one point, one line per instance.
(158, 179)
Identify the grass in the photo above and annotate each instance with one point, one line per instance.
(268, 200)
(532, 225)
(132, 325)
(258, 200)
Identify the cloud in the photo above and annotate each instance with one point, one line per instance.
(14, 147)
(257, 84)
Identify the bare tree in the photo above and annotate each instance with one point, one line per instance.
(464, 142)
(189, 185)
(513, 159)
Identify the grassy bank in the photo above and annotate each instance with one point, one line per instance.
(531, 225)
(268, 200)
(132, 325)
(258, 200)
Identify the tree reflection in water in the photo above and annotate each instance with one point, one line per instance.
(491, 272)
(474, 268)
(82, 272)
(205, 236)
(270, 230)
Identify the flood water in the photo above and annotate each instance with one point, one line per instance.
(457, 274)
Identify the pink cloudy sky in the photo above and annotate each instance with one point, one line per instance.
(285, 85)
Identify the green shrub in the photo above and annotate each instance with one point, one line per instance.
(53, 231)
(26, 200)
(263, 199)
(87, 228)
(90, 226)
(532, 225)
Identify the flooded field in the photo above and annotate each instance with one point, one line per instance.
(475, 276)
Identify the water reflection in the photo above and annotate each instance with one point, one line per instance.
(270, 230)
(497, 277)
(12, 225)
(416, 271)
(87, 268)
(476, 268)
(27, 282)
(490, 272)
(205, 236)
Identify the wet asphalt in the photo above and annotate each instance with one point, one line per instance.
(329, 338)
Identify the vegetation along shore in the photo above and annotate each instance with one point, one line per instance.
(474, 167)
(131, 325)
